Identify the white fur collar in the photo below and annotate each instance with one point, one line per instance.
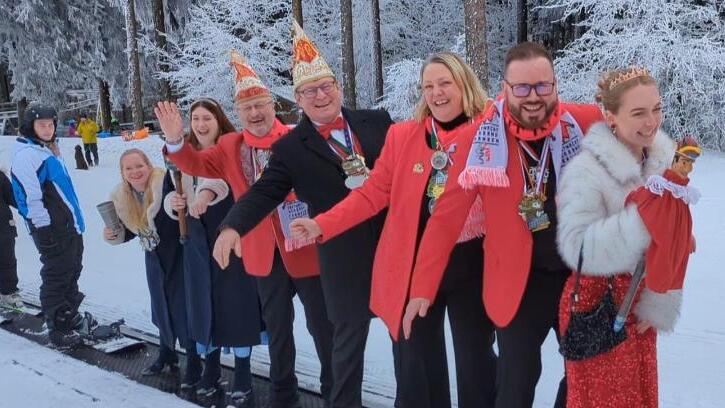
(619, 161)
(156, 185)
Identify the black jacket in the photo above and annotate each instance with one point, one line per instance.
(303, 161)
(7, 199)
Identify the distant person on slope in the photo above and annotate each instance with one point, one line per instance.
(47, 200)
(88, 130)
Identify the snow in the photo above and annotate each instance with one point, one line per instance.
(35, 376)
(691, 360)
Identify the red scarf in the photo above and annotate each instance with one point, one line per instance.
(278, 130)
(513, 126)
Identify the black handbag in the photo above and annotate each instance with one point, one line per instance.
(590, 333)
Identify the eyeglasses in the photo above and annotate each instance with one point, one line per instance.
(310, 93)
(258, 106)
(524, 90)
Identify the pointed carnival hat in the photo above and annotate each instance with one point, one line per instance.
(247, 84)
(307, 62)
(688, 147)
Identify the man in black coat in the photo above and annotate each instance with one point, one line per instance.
(310, 160)
(9, 294)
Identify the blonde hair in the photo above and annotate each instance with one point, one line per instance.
(474, 97)
(613, 84)
(136, 211)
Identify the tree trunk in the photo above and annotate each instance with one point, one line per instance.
(348, 54)
(522, 21)
(474, 12)
(104, 100)
(378, 84)
(4, 84)
(297, 11)
(134, 77)
(159, 36)
(22, 105)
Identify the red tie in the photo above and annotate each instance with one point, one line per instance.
(326, 130)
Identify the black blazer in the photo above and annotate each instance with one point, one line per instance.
(303, 161)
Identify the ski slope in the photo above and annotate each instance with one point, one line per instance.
(691, 360)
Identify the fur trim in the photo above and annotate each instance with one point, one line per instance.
(216, 186)
(660, 309)
(619, 161)
(156, 185)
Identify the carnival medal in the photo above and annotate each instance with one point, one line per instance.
(355, 170)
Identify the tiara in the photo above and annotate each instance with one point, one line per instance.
(631, 73)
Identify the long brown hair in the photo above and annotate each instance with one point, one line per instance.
(136, 211)
(225, 125)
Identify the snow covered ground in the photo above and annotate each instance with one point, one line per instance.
(34, 376)
(692, 359)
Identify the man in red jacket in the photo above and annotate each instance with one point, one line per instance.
(283, 269)
(514, 161)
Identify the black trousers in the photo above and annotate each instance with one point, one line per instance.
(60, 272)
(91, 148)
(8, 264)
(421, 362)
(276, 292)
(519, 343)
(348, 358)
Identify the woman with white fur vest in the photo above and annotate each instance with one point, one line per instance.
(139, 199)
(616, 158)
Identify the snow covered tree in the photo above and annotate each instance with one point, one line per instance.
(474, 12)
(682, 42)
(348, 54)
(377, 51)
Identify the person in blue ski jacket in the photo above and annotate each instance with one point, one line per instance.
(46, 199)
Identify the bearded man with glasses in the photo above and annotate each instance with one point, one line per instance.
(515, 157)
(325, 156)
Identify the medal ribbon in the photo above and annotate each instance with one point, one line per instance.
(435, 142)
(350, 148)
(543, 164)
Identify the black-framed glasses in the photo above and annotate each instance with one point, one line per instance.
(311, 92)
(524, 90)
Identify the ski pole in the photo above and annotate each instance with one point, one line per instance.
(629, 297)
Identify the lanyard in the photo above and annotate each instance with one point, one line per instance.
(436, 143)
(543, 164)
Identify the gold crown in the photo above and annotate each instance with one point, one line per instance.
(630, 73)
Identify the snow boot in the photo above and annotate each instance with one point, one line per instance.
(208, 388)
(167, 360)
(192, 375)
(60, 330)
(242, 395)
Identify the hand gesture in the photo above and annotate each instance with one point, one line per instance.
(199, 206)
(170, 121)
(109, 234)
(305, 228)
(178, 202)
(227, 241)
(416, 307)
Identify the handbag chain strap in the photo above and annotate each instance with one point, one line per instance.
(577, 284)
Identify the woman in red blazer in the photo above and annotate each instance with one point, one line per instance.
(408, 178)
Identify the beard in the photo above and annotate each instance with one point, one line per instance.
(518, 112)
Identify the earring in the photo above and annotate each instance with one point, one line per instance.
(614, 130)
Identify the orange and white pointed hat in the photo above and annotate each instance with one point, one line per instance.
(247, 84)
(307, 62)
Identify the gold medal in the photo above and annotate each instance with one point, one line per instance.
(531, 209)
(354, 165)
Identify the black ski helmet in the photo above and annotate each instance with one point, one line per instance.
(37, 111)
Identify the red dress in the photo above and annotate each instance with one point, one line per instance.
(624, 377)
